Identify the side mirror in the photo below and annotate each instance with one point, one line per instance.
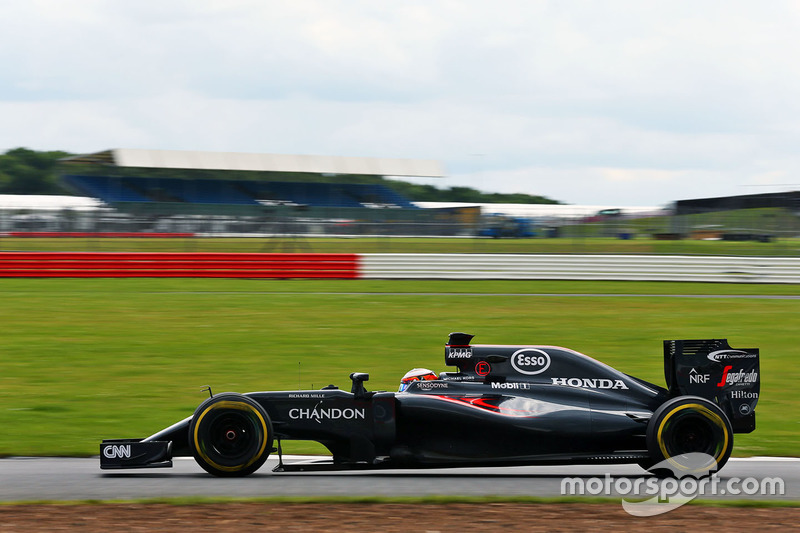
(358, 388)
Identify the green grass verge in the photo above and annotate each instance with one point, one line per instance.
(84, 360)
(575, 244)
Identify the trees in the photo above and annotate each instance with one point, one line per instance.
(429, 193)
(24, 171)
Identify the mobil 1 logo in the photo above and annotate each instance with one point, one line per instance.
(530, 361)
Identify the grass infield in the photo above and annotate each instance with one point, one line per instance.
(86, 359)
(575, 244)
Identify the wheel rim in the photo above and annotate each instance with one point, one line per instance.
(230, 436)
(693, 433)
(693, 429)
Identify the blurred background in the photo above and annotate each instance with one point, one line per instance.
(132, 200)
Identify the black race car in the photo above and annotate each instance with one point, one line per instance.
(505, 405)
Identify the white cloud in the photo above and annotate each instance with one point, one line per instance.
(681, 99)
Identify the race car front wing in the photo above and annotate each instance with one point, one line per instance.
(133, 453)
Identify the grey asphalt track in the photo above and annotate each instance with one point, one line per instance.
(63, 479)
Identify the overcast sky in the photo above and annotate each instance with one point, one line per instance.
(629, 102)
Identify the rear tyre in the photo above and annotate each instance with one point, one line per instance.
(230, 435)
(688, 435)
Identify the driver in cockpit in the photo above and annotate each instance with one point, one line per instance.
(416, 374)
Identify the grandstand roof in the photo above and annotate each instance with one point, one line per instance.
(545, 210)
(317, 164)
(787, 199)
(39, 202)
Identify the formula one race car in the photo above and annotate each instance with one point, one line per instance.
(506, 405)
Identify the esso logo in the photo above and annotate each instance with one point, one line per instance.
(530, 361)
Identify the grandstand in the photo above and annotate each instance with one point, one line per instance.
(166, 182)
(127, 190)
(789, 200)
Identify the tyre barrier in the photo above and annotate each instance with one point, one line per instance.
(176, 265)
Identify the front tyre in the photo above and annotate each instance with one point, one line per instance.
(230, 435)
(689, 435)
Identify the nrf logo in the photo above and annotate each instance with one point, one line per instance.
(696, 377)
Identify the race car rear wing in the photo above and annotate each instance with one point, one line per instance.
(710, 368)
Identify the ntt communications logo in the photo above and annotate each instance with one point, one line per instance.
(651, 496)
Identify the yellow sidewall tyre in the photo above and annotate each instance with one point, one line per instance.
(230, 435)
(685, 426)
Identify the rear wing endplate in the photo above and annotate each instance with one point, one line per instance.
(710, 368)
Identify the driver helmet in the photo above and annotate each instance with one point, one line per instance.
(416, 374)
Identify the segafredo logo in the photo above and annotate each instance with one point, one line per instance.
(724, 355)
(591, 383)
(320, 413)
(530, 361)
(737, 378)
(114, 451)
